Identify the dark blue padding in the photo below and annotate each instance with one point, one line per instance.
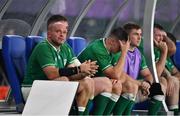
(141, 106)
(31, 41)
(77, 44)
(176, 56)
(13, 52)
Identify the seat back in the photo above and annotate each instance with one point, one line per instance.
(31, 42)
(13, 52)
(176, 56)
(141, 106)
(77, 44)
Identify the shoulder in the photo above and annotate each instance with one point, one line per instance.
(98, 46)
(66, 47)
(43, 44)
(42, 47)
(137, 51)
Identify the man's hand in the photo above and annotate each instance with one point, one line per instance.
(89, 67)
(161, 45)
(124, 46)
(145, 88)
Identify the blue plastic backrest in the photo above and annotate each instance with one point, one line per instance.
(141, 106)
(77, 44)
(176, 56)
(13, 52)
(31, 42)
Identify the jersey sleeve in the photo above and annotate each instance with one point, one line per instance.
(169, 64)
(115, 58)
(71, 57)
(45, 56)
(103, 59)
(143, 64)
(156, 54)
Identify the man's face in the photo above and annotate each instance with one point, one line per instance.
(116, 46)
(158, 35)
(135, 36)
(57, 32)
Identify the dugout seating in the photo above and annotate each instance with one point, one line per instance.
(16, 51)
(13, 52)
(31, 42)
(176, 56)
(77, 44)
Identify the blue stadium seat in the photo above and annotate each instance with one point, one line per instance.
(77, 44)
(13, 52)
(31, 41)
(141, 106)
(176, 56)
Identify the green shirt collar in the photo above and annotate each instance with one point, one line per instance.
(57, 50)
(103, 39)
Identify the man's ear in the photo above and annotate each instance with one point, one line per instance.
(48, 34)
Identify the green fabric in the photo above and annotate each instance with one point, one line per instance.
(157, 53)
(115, 58)
(143, 63)
(129, 108)
(96, 51)
(109, 107)
(169, 64)
(154, 106)
(120, 106)
(176, 111)
(100, 103)
(86, 112)
(141, 49)
(44, 54)
(80, 113)
(141, 46)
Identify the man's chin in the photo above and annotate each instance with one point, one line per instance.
(60, 43)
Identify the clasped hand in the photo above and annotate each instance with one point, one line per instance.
(89, 67)
(145, 88)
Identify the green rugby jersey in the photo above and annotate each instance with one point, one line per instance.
(96, 51)
(45, 54)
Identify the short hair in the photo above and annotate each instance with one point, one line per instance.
(56, 18)
(129, 26)
(172, 37)
(160, 27)
(120, 33)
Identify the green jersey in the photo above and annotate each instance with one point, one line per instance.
(157, 53)
(169, 64)
(96, 51)
(141, 46)
(43, 55)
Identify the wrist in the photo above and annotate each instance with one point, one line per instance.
(148, 82)
(124, 52)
